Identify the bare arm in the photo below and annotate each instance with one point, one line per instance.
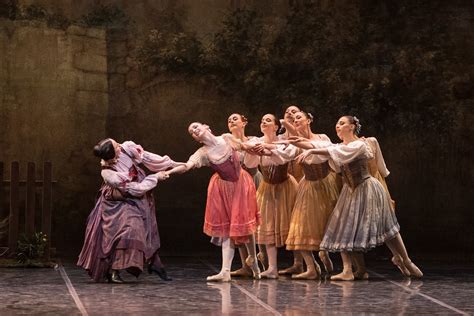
(182, 168)
(289, 127)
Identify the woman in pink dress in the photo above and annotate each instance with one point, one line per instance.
(231, 215)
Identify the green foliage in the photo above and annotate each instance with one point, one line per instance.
(384, 62)
(109, 16)
(31, 248)
(175, 52)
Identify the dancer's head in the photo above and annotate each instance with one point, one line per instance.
(302, 120)
(106, 149)
(236, 122)
(290, 113)
(197, 130)
(270, 124)
(348, 125)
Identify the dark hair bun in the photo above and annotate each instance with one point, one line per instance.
(105, 149)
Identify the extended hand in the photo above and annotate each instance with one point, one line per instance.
(162, 175)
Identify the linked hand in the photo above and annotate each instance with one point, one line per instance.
(162, 175)
(303, 156)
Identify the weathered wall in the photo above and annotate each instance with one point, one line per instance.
(53, 102)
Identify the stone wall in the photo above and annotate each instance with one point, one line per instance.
(54, 102)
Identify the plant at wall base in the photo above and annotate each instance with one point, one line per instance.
(31, 248)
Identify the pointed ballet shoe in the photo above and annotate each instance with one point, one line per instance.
(294, 269)
(328, 266)
(361, 275)
(223, 276)
(160, 271)
(262, 259)
(242, 272)
(252, 263)
(308, 275)
(343, 277)
(114, 277)
(415, 272)
(269, 274)
(398, 261)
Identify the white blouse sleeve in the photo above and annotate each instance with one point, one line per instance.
(283, 154)
(140, 188)
(152, 161)
(114, 178)
(199, 158)
(318, 144)
(121, 181)
(378, 157)
(342, 154)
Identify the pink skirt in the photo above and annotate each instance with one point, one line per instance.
(231, 208)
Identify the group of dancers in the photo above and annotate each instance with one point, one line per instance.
(289, 188)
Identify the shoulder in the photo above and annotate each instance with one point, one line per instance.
(324, 137)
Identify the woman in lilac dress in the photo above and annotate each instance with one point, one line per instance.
(231, 215)
(122, 233)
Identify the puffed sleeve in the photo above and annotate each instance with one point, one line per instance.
(199, 158)
(121, 181)
(152, 161)
(318, 144)
(342, 154)
(140, 188)
(378, 157)
(283, 154)
(114, 178)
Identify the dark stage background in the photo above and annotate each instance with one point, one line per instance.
(74, 72)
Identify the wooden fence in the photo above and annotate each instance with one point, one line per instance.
(16, 188)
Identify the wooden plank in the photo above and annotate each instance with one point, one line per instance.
(13, 220)
(47, 204)
(30, 200)
(1, 188)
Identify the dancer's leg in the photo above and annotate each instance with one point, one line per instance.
(251, 260)
(324, 256)
(272, 271)
(359, 262)
(227, 256)
(313, 269)
(401, 258)
(346, 274)
(297, 266)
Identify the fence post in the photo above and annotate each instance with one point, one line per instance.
(47, 205)
(30, 200)
(13, 221)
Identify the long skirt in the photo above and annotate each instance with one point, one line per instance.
(315, 201)
(275, 202)
(231, 209)
(120, 234)
(362, 219)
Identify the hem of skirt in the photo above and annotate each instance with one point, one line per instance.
(356, 248)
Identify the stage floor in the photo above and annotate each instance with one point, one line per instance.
(445, 289)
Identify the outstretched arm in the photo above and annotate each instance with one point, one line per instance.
(297, 141)
(314, 151)
(121, 181)
(182, 168)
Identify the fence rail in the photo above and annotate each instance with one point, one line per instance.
(32, 184)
